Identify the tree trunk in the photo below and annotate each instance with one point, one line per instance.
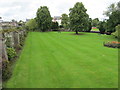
(76, 32)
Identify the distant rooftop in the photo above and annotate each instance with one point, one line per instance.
(27, 20)
(57, 17)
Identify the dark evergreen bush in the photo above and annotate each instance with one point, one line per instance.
(102, 27)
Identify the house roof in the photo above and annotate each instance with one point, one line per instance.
(57, 17)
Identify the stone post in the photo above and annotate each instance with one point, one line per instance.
(9, 39)
(16, 39)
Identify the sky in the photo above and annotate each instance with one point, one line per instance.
(26, 9)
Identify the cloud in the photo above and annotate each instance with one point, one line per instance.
(23, 9)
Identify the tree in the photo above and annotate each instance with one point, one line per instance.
(101, 27)
(118, 6)
(114, 17)
(112, 8)
(65, 21)
(117, 33)
(95, 22)
(54, 25)
(78, 17)
(89, 25)
(31, 25)
(113, 21)
(43, 18)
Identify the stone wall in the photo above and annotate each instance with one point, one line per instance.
(12, 39)
(9, 39)
(0, 60)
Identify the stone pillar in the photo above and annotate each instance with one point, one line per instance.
(4, 52)
(25, 33)
(3, 55)
(16, 39)
(9, 39)
(12, 39)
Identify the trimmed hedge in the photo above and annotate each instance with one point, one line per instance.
(12, 53)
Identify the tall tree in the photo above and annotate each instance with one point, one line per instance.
(118, 6)
(113, 12)
(95, 22)
(101, 27)
(65, 21)
(43, 18)
(113, 21)
(78, 17)
(112, 8)
(89, 25)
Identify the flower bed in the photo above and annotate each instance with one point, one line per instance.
(113, 44)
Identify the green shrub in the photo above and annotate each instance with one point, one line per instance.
(11, 53)
(117, 33)
(6, 70)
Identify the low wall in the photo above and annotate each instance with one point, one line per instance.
(11, 39)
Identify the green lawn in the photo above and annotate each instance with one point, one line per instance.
(95, 29)
(63, 60)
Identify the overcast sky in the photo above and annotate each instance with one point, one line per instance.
(26, 9)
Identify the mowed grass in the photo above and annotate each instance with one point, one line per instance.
(96, 29)
(63, 60)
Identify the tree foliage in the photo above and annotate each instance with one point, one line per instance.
(78, 17)
(43, 18)
(101, 27)
(32, 25)
(110, 9)
(117, 33)
(54, 25)
(114, 17)
(65, 21)
(113, 21)
(89, 25)
(95, 22)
